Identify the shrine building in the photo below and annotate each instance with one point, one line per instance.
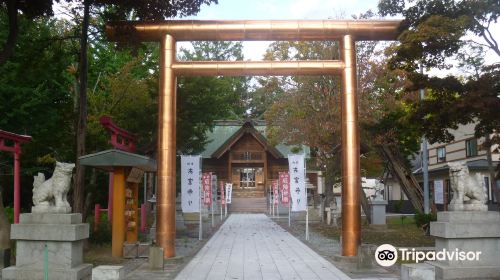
(238, 152)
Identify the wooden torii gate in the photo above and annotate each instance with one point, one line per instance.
(121, 139)
(10, 142)
(168, 32)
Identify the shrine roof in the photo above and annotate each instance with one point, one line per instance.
(116, 158)
(225, 130)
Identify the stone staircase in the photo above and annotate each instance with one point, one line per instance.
(247, 193)
(249, 205)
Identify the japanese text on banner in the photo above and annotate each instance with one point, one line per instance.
(222, 197)
(190, 183)
(275, 193)
(297, 182)
(284, 178)
(229, 190)
(206, 182)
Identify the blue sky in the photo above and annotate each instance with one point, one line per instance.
(285, 9)
(280, 10)
(293, 9)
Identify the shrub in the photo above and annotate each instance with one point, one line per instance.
(103, 233)
(9, 212)
(423, 220)
(398, 206)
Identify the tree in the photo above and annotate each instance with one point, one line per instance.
(292, 104)
(146, 10)
(201, 100)
(431, 33)
(35, 100)
(29, 10)
(116, 10)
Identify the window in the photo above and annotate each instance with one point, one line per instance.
(471, 147)
(487, 187)
(248, 176)
(441, 154)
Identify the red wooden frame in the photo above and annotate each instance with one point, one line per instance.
(16, 150)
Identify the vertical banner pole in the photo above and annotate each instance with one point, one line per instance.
(200, 233)
(144, 199)
(221, 197)
(278, 208)
(289, 213)
(307, 200)
(307, 223)
(225, 202)
(270, 203)
(212, 201)
(17, 184)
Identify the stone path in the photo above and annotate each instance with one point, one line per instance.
(252, 246)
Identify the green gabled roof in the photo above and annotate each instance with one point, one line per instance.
(116, 158)
(226, 129)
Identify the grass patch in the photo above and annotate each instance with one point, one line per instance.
(403, 220)
(396, 234)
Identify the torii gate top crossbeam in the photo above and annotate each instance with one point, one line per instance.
(254, 30)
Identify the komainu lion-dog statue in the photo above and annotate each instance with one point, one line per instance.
(468, 191)
(50, 196)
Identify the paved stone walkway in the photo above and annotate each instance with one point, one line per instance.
(252, 246)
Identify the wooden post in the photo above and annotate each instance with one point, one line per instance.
(132, 230)
(118, 223)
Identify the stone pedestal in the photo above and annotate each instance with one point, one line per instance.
(378, 212)
(63, 234)
(417, 271)
(475, 231)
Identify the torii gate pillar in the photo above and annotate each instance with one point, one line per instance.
(17, 140)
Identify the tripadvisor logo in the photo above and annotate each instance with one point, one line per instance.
(387, 255)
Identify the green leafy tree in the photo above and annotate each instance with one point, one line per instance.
(35, 99)
(201, 100)
(431, 33)
(13, 10)
(116, 10)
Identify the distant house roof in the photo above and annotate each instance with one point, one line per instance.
(227, 132)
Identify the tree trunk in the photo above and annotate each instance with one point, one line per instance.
(81, 130)
(4, 228)
(8, 48)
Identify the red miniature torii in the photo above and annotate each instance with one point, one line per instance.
(16, 141)
(120, 138)
(123, 140)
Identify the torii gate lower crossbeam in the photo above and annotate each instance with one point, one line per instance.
(347, 32)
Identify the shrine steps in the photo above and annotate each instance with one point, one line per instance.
(248, 193)
(249, 205)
